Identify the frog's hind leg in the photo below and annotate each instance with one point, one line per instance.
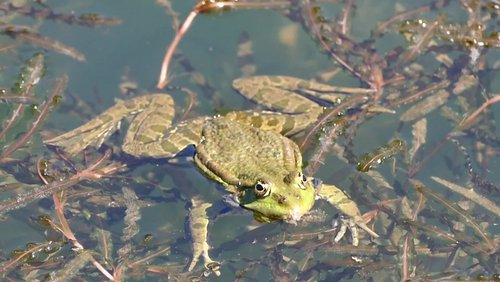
(285, 124)
(292, 111)
(151, 135)
(97, 130)
(291, 94)
(278, 93)
(149, 126)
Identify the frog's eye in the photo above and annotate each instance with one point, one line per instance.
(262, 189)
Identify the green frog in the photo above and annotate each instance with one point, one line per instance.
(248, 152)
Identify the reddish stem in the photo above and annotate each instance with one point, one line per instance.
(469, 121)
(332, 113)
(204, 7)
(163, 79)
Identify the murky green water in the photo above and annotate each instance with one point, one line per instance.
(133, 51)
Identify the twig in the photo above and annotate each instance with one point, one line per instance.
(345, 22)
(150, 256)
(344, 105)
(205, 7)
(17, 99)
(382, 27)
(316, 30)
(469, 194)
(467, 219)
(38, 193)
(6, 266)
(167, 4)
(66, 230)
(416, 166)
(436, 86)
(471, 119)
(57, 90)
(424, 40)
(29, 76)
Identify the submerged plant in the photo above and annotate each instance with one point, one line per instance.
(436, 219)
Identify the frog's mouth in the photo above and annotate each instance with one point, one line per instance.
(292, 217)
(262, 218)
(267, 211)
(261, 208)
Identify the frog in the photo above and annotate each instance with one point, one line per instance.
(249, 152)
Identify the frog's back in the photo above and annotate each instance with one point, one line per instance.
(243, 154)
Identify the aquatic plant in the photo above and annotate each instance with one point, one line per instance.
(414, 141)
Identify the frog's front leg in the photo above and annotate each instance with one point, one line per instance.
(289, 94)
(349, 208)
(198, 227)
(148, 110)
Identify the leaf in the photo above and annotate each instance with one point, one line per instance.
(469, 194)
(419, 133)
(132, 216)
(379, 179)
(425, 106)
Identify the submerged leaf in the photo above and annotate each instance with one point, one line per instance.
(132, 216)
(425, 106)
(469, 194)
(380, 155)
(419, 132)
(71, 268)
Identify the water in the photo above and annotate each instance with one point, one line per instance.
(133, 51)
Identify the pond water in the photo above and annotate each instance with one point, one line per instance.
(437, 234)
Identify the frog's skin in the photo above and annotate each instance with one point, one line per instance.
(246, 151)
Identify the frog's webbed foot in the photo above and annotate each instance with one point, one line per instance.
(93, 133)
(351, 217)
(351, 224)
(198, 227)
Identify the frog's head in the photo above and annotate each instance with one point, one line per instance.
(272, 199)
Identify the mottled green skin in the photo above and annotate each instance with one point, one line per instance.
(245, 157)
